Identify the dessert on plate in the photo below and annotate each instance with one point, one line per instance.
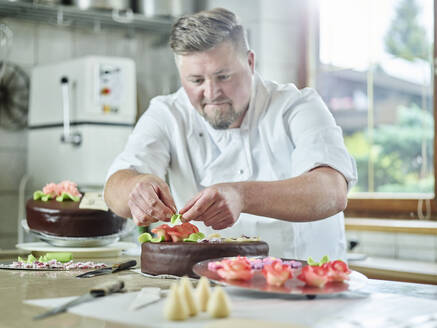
(55, 210)
(175, 249)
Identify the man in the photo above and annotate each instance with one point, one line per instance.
(242, 155)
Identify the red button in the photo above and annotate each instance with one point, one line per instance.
(106, 91)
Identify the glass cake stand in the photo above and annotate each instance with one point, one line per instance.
(80, 241)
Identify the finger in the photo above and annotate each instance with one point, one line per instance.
(222, 225)
(143, 222)
(212, 220)
(163, 192)
(150, 203)
(199, 208)
(140, 219)
(211, 212)
(190, 203)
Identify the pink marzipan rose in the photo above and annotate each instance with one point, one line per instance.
(277, 273)
(51, 189)
(314, 275)
(68, 187)
(237, 268)
(338, 271)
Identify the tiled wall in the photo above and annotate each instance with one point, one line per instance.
(273, 27)
(41, 43)
(404, 246)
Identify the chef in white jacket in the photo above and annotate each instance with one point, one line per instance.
(241, 155)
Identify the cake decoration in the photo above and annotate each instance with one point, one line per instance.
(330, 271)
(57, 210)
(176, 249)
(203, 292)
(219, 305)
(181, 303)
(277, 273)
(237, 268)
(187, 293)
(59, 261)
(65, 190)
(175, 308)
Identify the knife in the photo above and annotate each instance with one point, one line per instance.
(115, 268)
(104, 289)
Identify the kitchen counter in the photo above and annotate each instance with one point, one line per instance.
(17, 286)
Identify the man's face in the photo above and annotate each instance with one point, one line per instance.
(218, 83)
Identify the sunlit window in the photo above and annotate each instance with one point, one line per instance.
(376, 77)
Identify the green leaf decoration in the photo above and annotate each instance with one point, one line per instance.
(59, 256)
(31, 258)
(324, 259)
(145, 237)
(67, 196)
(194, 237)
(310, 261)
(38, 195)
(157, 239)
(176, 217)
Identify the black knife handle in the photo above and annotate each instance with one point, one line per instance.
(123, 266)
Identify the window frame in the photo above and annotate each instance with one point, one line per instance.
(368, 207)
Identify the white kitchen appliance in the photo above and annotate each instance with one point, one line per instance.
(81, 114)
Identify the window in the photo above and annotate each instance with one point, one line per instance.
(374, 71)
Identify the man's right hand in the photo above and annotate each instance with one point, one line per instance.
(150, 201)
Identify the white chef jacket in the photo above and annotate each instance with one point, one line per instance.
(285, 132)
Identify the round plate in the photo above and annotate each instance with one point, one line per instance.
(80, 241)
(112, 250)
(291, 286)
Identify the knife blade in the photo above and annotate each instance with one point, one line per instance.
(112, 269)
(104, 289)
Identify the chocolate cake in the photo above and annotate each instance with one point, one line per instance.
(178, 258)
(66, 219)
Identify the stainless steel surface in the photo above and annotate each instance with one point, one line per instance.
(102, 4)
(168, 8)
(292, 286)
(80, 241)
(69, 15)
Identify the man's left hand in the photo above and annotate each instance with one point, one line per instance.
(218, 206)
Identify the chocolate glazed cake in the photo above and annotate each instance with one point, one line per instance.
(66, 219)
(178, 258)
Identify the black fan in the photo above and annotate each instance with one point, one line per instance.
(14, 96)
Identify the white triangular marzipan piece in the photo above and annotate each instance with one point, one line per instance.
(187, 292)
(219, 305)
(203, 293)
(175, 307)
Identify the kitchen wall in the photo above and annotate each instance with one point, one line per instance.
(273, 28)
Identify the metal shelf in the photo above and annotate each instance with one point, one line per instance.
(71, 16)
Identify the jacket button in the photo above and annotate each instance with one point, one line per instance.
(241, 171)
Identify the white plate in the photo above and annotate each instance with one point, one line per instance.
(112, 250)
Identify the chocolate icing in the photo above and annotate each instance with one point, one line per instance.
(66, 219)
(178, 258)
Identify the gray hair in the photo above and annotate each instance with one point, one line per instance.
(207, 29)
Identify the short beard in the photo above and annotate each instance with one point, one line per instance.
(222, 122)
